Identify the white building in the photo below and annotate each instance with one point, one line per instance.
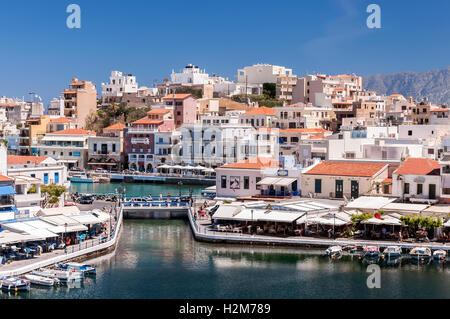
(262, 73)
(117, 86)
(56, 107)
(417, 179)
(191, 74)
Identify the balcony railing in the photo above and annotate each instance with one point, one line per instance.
(140, 141)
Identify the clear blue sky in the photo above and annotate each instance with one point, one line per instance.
(150, 38)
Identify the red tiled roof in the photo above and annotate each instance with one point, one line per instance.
(74, 131)
(115, 127)
(261, 110)
(176, 96)
(387, 180)
(254, 163)
(346, 169)
(440, 110)
(4, 178)
(158, 111)
(17, 159)
(61, 120)
(418, 166)
(146, 120)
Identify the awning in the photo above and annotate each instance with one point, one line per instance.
(59, 220)
(447, 223)
(102, 216)
(9, 237)
(385, 221)
(7, 190)
(326, 221)
(277, 181)
(68, 229)
(86, 219)
(226, 212)
(268, 216)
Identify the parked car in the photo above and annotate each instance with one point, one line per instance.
(87, 200)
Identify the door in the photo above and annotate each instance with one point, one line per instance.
(432, 191)
(339, 189)
(355, 189)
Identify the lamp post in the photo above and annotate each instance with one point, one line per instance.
(252, 220)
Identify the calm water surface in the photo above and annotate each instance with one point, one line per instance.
(160, 259)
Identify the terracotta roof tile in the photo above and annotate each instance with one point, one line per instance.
(115, 127)
(346, 169)
(4, 178)
(61, 120)
(146, 120)
(74, 131)
(176, 96)
(158, 111)
(17, 159)
(418, 166)
(261, 110)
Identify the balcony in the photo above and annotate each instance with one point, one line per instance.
(140, 141)
(141, 130)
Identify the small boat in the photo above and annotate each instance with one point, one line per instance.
(439, 254)
(334, 251)
(14, 284)
(42, 281)
(80, 178)
(420, 252)
(62, 275)
(351, 249)
(371, 251)
(85, 269)
(392, 251)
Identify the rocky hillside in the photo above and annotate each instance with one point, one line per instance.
(433, 84)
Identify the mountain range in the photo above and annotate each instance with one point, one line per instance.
(432, 84)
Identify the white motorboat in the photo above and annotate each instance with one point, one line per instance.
(14, 284)
(85, 269)
(439, 254)
(42, 281)
(392, 251)
(62, 275)
(334, 251)
(371, 251)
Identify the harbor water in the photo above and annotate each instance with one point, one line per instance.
(160, 259)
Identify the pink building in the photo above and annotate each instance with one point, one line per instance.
(184, 108)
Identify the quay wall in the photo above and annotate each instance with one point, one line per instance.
(155, 213)
(246, 239)
(161, 179)
(78, 255)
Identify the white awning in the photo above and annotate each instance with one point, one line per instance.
(68, 229)
(86, 219)
(25, 227)
(226, 212)
(285, 181)
(268, 181)
(9, 237)
(102, 216)
(415, 208)
(447, 223)
(67, 210)
(385, 221)
(370, 202)
(326, 221)
(268, 215)
(59, 220)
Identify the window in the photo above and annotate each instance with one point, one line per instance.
(45, 178)
(317, 186)
(409, 133)
(76, 154)
(114, 148)
(223, 180)
(258, 179)
(246, 182)
(419, 189)
(406, 188)
(95, 147)
(56, 178)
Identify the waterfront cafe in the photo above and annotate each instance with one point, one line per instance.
(284, 219)
(186, 170)
(278, 186)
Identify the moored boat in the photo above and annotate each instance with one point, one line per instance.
(420, 253)
(392, 251)
(334, 251)
(14, 284)
(62, 275)
(85, 269)
(42, 281)
(371, 251)
(81, 178)
(439, 254)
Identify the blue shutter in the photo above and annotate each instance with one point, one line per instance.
(56, 178)
(45, 178)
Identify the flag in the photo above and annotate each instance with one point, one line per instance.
(377, 215)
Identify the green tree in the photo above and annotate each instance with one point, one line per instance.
(269, 90)
(53, 191)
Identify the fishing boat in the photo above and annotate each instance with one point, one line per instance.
(371, 251)
(14, 284)
(85, 269)
(62, 275)
(439, 254)
(334, 251)
(42, 281)
(420, 252)
(392, 251)
(80, 178)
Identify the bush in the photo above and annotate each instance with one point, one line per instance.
(419, 221)
(361, 217)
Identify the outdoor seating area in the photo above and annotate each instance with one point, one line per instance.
(286, 220)
(51, 230)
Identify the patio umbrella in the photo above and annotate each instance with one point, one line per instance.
(200, 168)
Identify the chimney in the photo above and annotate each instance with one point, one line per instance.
(410, 99)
